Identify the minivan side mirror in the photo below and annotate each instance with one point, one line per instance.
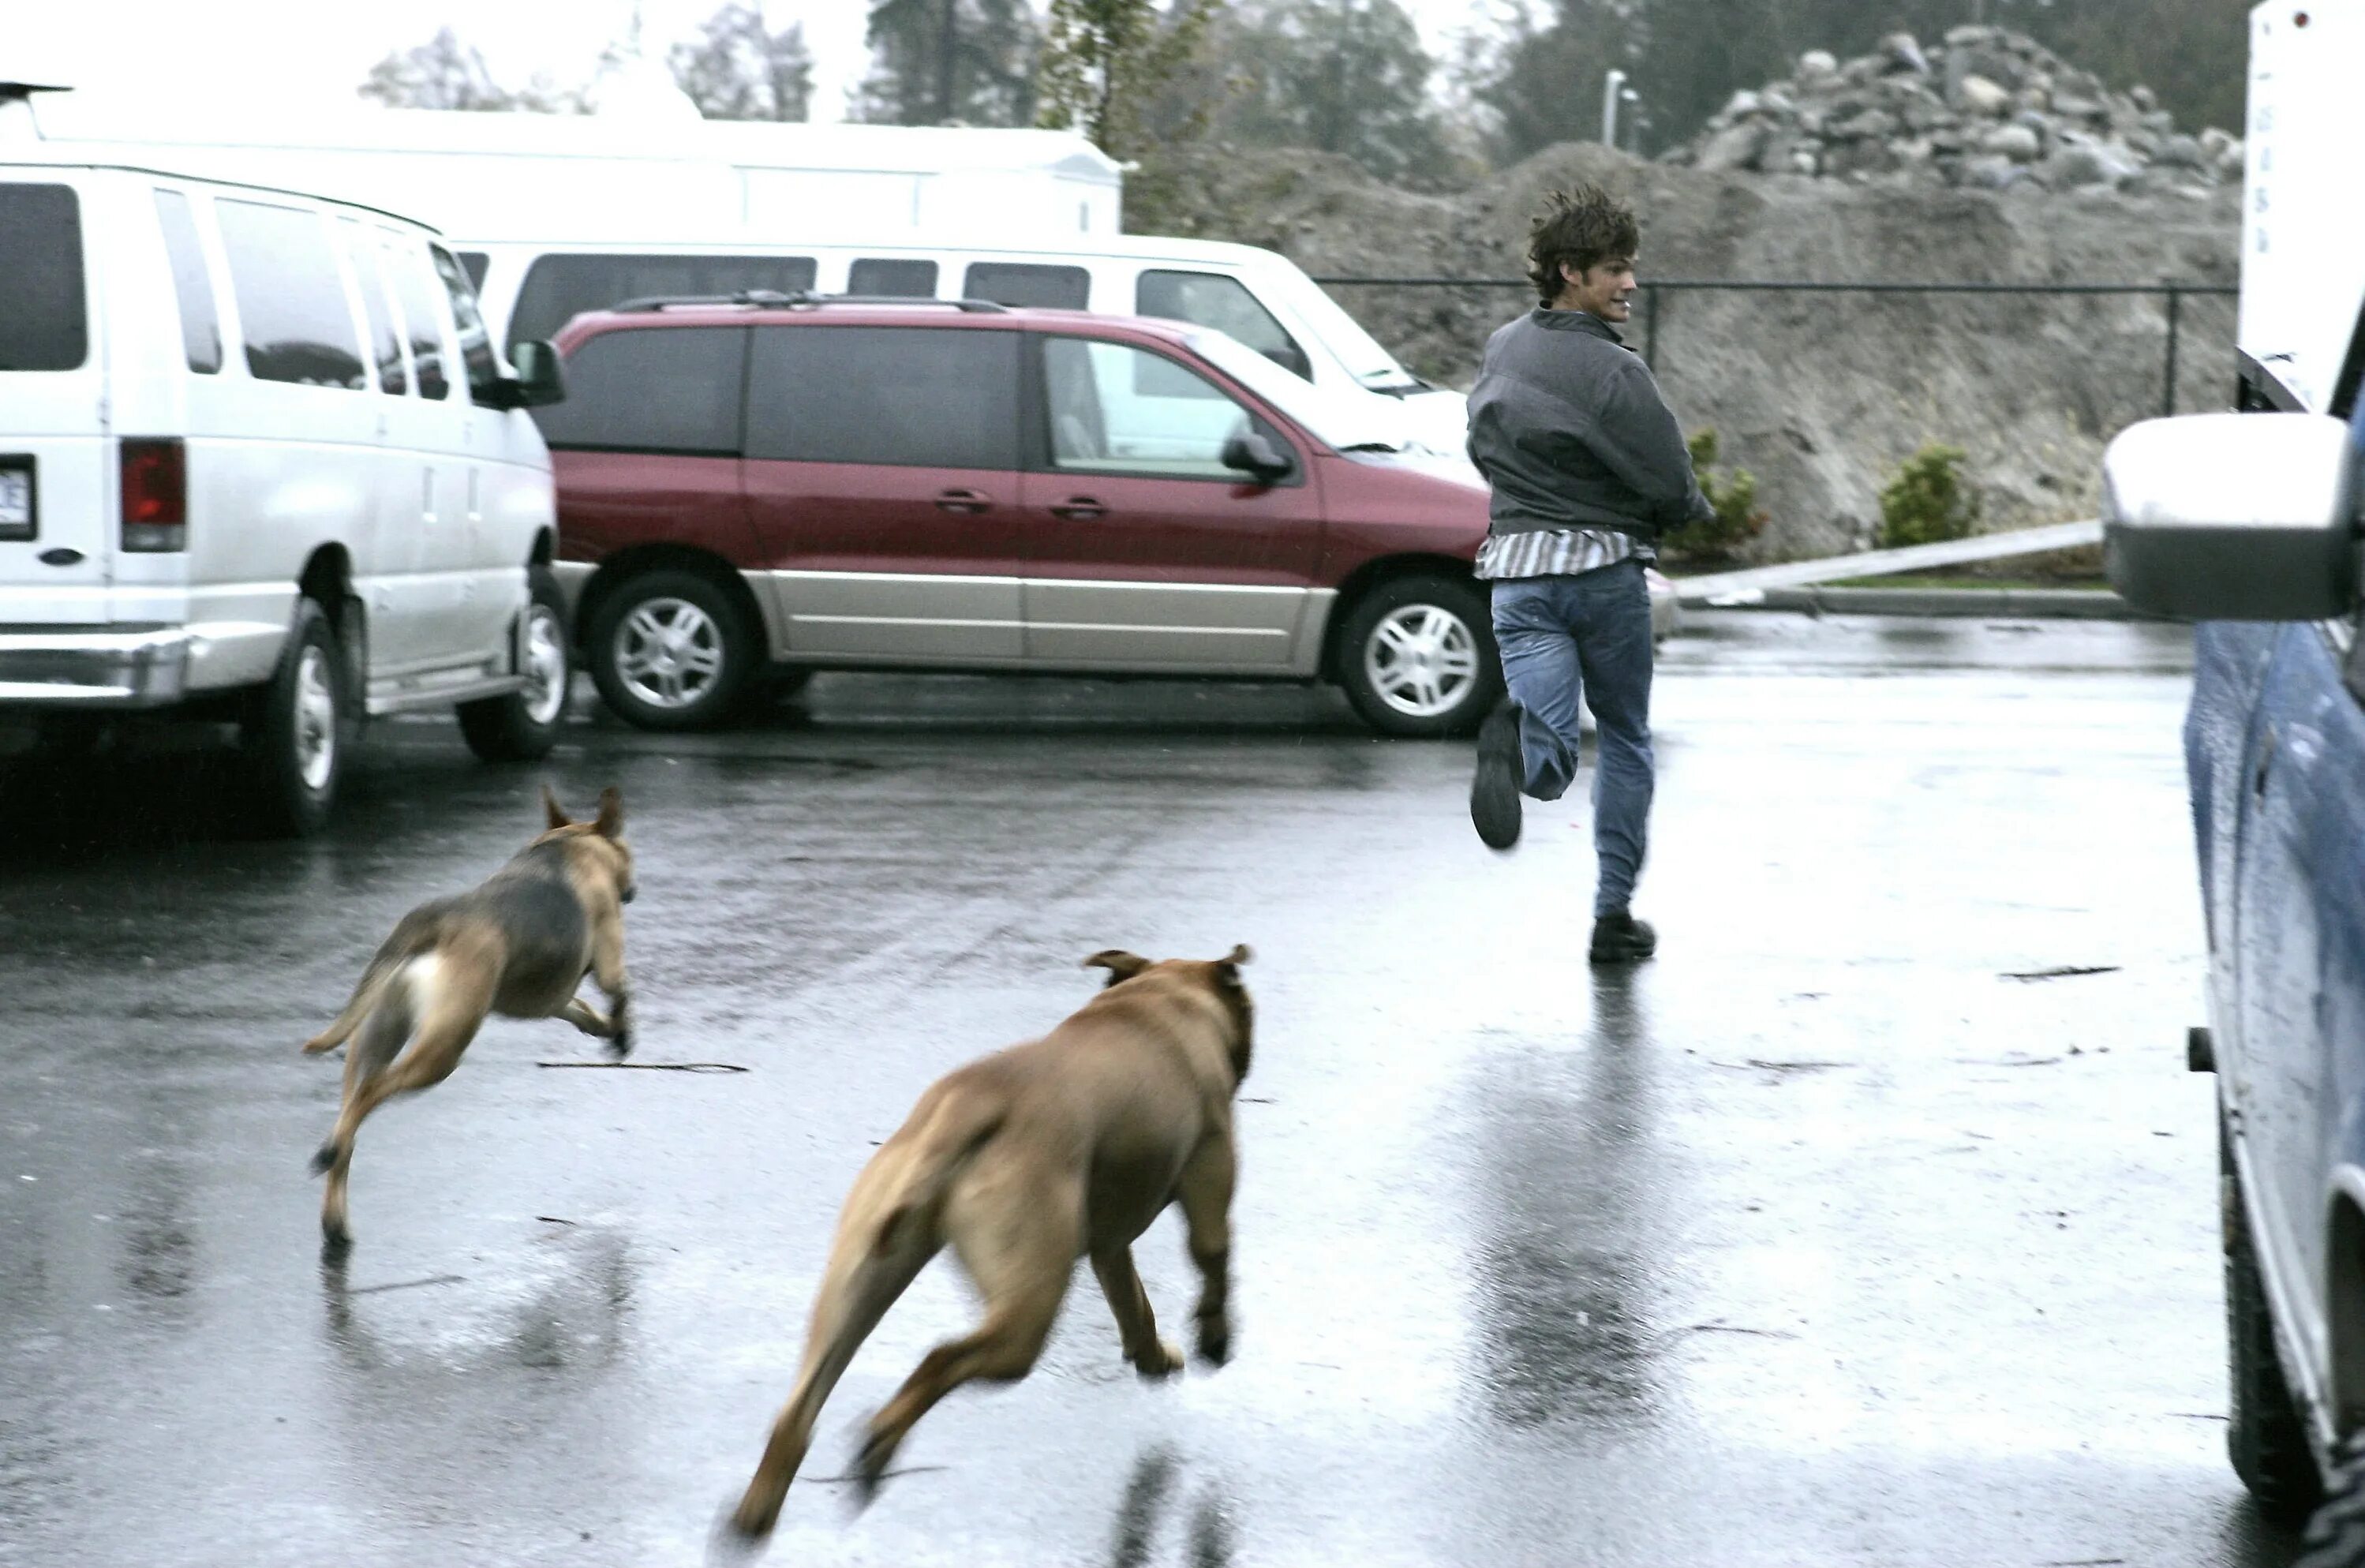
(1250, 452)
(2233, 517)
(538, 383)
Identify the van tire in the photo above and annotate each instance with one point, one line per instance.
(671, 598)
(524, 725)
(296, 729)
(2265, 1437)
(1454, 615)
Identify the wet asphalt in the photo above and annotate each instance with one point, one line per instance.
(1819, 1239)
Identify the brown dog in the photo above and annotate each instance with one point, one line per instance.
(519, 946)
(1024, 1160)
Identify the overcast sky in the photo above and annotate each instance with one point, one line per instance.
(296, 49)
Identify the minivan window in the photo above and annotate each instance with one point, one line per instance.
(900, 277)
(557, 289)
(476, 338)
(44, 316)
(193, 284)
(291, 301)
(944, 397)
(1116, 408)
(669, 389)
(1212, 299)
(421, 316)
(1028, 285)
(377, 307)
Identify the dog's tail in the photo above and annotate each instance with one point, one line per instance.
(886, 1235)
(415, 933)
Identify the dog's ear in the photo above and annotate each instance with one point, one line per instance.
(551, 810)
(610, 820)
(1120, 964)
(1239, 955)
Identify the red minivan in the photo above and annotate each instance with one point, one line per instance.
(775, 484)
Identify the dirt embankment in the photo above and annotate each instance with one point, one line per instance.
(1820, 395)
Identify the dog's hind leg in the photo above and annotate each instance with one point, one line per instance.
(1018, 1244)
(1136, 1326)
(608, 969)
(867, 1271)
(1206, 1194)
(451, 997)
(382, 1037)
(589, 1019)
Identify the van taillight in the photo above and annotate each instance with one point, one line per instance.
(155, 494)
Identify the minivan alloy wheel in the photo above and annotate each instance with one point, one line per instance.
(315, 718)
(1420, 659)
(668, 653)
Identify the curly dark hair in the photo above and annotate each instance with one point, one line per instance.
(1584, 228)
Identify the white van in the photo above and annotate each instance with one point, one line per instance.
(1257, 297)
(259, 461)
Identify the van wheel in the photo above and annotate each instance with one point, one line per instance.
(2264, 1435)
(524, 725)
(670, 651)
(2336, 1535)
(1417, 657)
(296, 730)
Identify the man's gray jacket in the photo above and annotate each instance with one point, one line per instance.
(1570, 431)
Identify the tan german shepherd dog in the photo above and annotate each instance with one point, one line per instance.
(1024, 1160)
(519, 946)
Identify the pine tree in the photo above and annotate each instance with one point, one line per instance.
(1106, 62)
(739, 69)
(444, 73)
(1346, 77)
(936, 61)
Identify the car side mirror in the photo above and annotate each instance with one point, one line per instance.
(2233, 517)
(538, 383)
(1292, 358)
(1250, 452)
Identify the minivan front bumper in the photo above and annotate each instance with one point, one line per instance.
(57, 667)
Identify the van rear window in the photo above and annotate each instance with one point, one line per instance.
(44, 316)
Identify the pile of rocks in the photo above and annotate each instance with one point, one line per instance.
(1988, 109)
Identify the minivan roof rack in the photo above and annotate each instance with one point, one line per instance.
(773, 299)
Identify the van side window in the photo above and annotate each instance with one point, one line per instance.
(557, 289)
(193, 284)
(1212, 299)
(477, 263)
(945, 398)
(291, 301)
(476, 338)
(1029, 284)
(900, 277)
(378, 310)
(422, 317)
(671, 391)
(44, 317)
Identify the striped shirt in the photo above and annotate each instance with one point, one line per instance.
(1556, 553)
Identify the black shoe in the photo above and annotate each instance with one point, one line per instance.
(1621, 939)
(1494, 783)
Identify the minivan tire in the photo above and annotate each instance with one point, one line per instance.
(648, 685)
(2265, 1437)
(524, 725)
(1458, 678)
(296, 730)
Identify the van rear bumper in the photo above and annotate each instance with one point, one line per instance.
(61, 668)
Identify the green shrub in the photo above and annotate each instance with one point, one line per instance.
(1928, 501)
(1733, 497)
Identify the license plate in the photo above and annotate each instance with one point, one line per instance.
(16, 501)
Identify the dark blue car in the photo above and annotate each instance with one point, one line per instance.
(2254, 516)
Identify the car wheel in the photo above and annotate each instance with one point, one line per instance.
(297, 729)
(2264, 1434)
(523, 725)
(1417, 657)
(2336, 1532)
(670, 651)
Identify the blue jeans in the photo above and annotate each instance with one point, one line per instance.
(1587, 636)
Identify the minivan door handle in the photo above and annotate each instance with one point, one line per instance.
(1079, 507)
(964, 500)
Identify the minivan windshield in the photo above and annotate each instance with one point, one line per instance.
(1350, 422)
(44, 320)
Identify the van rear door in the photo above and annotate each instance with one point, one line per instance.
(56, 494)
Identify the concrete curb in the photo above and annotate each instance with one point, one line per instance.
(2012, 603)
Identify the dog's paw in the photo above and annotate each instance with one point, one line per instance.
(324, 1157)
(1215, 1341)
(619, 1030)
(1163, 1365)
(320, 1043)
(870, 1469)
(738, 1536)
(619, 1044)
